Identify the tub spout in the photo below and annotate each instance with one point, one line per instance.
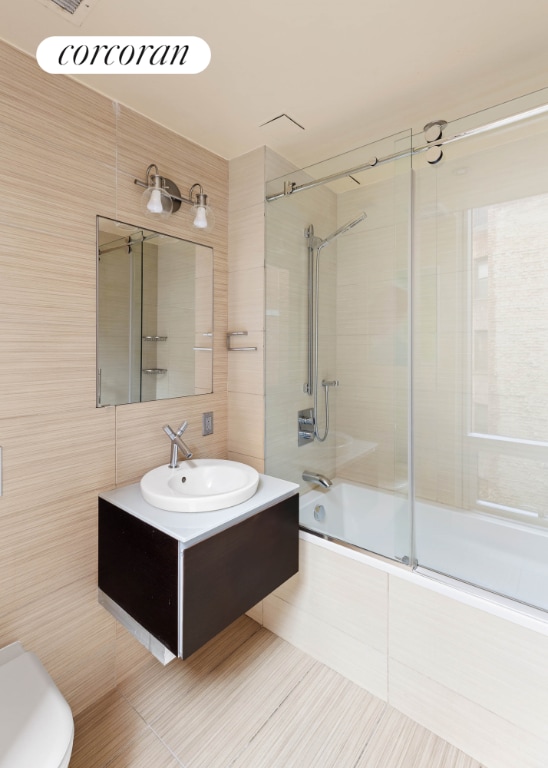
(315, 477)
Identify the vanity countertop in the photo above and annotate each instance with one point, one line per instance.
(191, 527)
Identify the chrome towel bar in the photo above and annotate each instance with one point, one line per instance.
(238, 349)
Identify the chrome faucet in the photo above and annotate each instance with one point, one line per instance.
(177, 444)
(315, 477)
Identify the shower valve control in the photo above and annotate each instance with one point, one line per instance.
(305, 426)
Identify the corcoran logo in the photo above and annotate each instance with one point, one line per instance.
(123, 55)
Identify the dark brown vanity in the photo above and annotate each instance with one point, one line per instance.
(175, 580)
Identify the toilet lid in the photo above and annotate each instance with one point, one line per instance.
(36, 725)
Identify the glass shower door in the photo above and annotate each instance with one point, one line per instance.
(363, 345)
(481, 362)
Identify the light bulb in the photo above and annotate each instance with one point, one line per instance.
(157, 202)
(200, 220)
(154, 205)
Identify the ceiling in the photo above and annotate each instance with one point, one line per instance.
(349, 72)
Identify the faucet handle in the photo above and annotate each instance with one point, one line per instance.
(182, 428)
(171, 434)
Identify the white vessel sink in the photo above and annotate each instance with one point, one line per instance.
(199, 485)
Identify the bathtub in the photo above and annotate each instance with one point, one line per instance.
(505, 557)
(462, 661)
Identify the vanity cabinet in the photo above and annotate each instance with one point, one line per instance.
(183, 593)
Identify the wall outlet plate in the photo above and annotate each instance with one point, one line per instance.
(207, 423)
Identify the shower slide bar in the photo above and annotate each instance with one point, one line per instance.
(291, 187)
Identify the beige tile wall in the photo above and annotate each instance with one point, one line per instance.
(246, 308)
(372, 330)
(67, 155)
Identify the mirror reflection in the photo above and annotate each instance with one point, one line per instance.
(154, 315)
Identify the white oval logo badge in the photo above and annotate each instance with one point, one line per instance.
(123, 55)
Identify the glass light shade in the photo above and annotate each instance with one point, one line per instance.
(157, 202)
(203, 217)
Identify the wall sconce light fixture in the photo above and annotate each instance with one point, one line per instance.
(162, 198)
(202, 212)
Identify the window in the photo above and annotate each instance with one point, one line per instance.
(509, 354)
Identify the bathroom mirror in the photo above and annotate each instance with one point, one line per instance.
(154, 315)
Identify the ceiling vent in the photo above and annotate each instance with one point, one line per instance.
(74, 11)
(284, 119)
(68, 5)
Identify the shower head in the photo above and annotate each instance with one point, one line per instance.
(343, 229)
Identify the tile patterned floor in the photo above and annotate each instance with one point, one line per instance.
(250, 700)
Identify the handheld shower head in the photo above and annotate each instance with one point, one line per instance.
(343, 229)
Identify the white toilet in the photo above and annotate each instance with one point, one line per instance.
(36, 725)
